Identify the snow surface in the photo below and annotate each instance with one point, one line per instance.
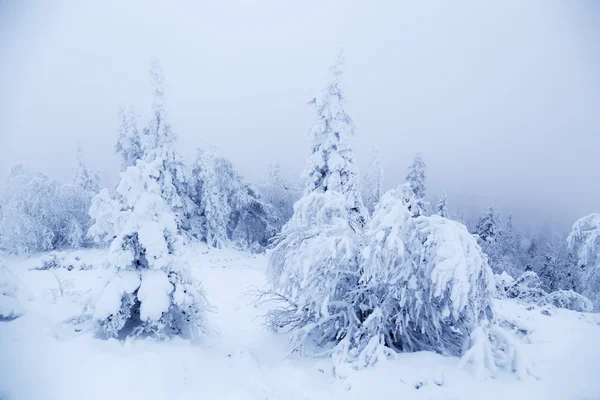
(54, 352)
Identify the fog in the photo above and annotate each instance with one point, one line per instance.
(502, 99)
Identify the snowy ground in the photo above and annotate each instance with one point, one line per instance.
(51, 352)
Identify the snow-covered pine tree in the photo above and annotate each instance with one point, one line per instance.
(313, 267)
(489, 230)
(153, 291)
(158, 143)
(228, 209)
(280, 194)
(416, 179)
(128, 146)
(373, 183)
(213, 209)
(85, 178)
(549, 269)
(441, 207)
(331, 164)
(584, 241)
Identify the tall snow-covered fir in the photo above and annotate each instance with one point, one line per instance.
(331, 164)
(416, 179)
(373, 183)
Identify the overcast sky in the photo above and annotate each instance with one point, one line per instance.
(501, 98)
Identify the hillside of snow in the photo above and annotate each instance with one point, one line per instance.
(53, 351)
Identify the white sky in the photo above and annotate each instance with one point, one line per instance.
(502, 98)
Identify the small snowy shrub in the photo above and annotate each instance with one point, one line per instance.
(39, 214)
(153, 289)
(62, 260)
(527, 287)
(568, 299)
(9, 306)
(313, 269)
(425, 279)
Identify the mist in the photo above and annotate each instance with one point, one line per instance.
(501, 100)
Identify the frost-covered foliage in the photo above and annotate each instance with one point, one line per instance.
(153, 291)
(128, 146)
(416, 179)
(489, 230)
(373, 183)
(280, 194)
(85, 178)
(331, 164)
(10, 308)
(314, 269)
(39, 214)
(62, 260)
(527, 287)
(441, 208)
(421, 283)
(584, 241)
(568, 299)
(227, 209)
(425, 284)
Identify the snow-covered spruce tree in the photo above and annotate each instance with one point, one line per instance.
(373, 183)
(488, 230)
(584, 241)
(128, 146)
(39, 214)
(153, 291)
(155, 143)
(416, 179)
(331, 165)
(441, 207)
(425, 283)
(280, 194)
(227, 209)
(85, 178)
(313, 267)
(158, 143)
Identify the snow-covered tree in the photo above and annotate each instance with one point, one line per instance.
(280, 194)
(228, 209)
(441, 207)
(153, 288)
(128, 146)
(425, 283)
(416, 179)
(331, 164)
(85, 178)
(39, 214)
(584, 241)
(155, 143)
(488, 230)
(158, 143)
(313, 270)
(373, 183)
